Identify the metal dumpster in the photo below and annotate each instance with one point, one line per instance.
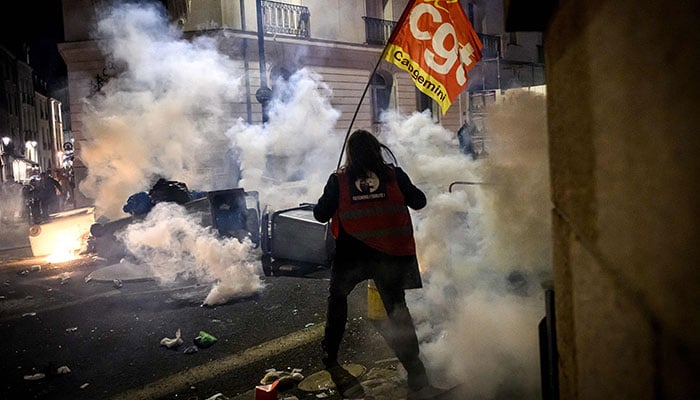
(293, 237)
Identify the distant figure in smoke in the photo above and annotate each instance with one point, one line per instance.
(366, 202)
(66, 192)
(31, 212)
(465, 134)
(49, 192)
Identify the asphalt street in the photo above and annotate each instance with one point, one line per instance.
(70, 331)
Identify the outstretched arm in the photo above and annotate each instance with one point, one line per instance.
(413, 197)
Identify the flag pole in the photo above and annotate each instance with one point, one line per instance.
(357, 109)
(400, 22)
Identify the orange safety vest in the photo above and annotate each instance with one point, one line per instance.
(376, 215)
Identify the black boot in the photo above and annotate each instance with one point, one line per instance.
(347, 384)
(417, 377)
(330, 356)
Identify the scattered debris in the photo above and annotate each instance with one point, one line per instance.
(266, 392)
(29, 314)
(173, 343)
(63, 370)
(88, 278)
(296, 375)
(117, 283)
(84, 385)
(272, 375)
(35, 377)
(309, 325)
(323, 381)
(191, 350)
(72, 329)
(34, 268)
(285, 380)
(64, 278)
(204, 340)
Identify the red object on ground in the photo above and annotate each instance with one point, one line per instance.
(266, 392)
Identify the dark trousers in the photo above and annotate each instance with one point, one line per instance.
(49, 205)
(400, 334)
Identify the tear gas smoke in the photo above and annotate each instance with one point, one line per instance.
(161, 115)
(167, 113)
(180, 248)
(11, 205)
(483, 249)
(291, 156)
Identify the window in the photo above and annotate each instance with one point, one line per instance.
(381, 85)
(424, 102)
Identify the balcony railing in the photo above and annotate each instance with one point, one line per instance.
(285, 19)
(377, 31)
(492, 45)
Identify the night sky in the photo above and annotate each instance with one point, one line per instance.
(39, 24)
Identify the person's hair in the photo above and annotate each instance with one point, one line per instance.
(364, 153)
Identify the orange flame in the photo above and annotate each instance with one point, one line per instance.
(65, 249)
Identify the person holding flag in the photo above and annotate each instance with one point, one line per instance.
(366, 202)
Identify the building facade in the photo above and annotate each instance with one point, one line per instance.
(339, 39)
(31, 122)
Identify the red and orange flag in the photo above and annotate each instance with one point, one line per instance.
(436, 44)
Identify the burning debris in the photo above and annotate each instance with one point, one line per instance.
(63, 236)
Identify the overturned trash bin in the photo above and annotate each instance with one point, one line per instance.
(293, 237)
(65, 232)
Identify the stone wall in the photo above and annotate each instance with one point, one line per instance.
(623, 115)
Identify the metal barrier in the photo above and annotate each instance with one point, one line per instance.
(464, 183)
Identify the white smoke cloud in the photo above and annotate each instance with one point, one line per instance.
(167, 114)
(484, 247)
(161, 115)
(177, 247)
(291, 156)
